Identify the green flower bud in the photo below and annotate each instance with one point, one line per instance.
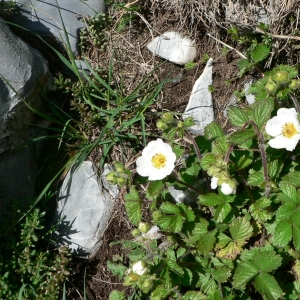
(111, 177)
(161, 125)
(167, 117)
(180, 124)
(147, 285)
(270, 87)
(131, 279)
(119, 167)
(295, 84)
(135, 232)
(121, 181)
(144, 227)
(156, 215)
(281, 77)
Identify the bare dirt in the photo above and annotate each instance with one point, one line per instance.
(136, 61)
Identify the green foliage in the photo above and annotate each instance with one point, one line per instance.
(7, 8)
(27, 268)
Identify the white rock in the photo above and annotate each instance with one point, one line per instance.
(86, 207)
(200, 105)
(173, 47)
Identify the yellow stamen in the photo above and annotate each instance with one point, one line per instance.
(159, 160)
(289, 130)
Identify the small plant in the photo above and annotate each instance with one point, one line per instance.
(7, 8)
(238, 238)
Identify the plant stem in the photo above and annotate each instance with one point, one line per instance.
(188, 185)
(296, 103)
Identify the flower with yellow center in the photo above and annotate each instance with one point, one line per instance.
(285, 129)
(157, 160)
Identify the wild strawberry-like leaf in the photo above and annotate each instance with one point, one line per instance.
(267, 286)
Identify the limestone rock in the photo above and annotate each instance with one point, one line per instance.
(173, 47)
(86, 207)
(200, 105)
(23, 73)
(45, 17)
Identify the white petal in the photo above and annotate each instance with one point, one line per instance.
(143, 166)
(214, 183)
(287, 112)
(279, 142)
(226, 189)
(274, 126)
(293, 142)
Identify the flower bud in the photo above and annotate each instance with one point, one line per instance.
(270, 87)
(140, 267)
(281, 77)
(131, 279)
(121, 181)
(119, 168)
(180, 124)
(111, 177)
(156, 215)
(161, 125)
(135, 232)
(167, 117)
(144, 227)
(147, 285)
(295, 84)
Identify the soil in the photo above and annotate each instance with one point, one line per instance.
(136, 61)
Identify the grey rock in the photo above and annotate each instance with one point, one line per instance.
(86, 208)
(23, 75)
(174, 47)
(200, 105)
(45, 17)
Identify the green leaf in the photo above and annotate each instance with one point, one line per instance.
(241, 137)
(178, 151)
(266, 285)
(117, 295)
(244, 162)
(201, 227)
(293, 178)
(220, 145)
(160, 293)
(169, 208)
(237, 116)
(289, 193)
(222, 212)
(211, 199)
(282, 234)
(206, 283)
(274, 168)
(207, 160)
(223, 240)
(244, 65)
(258, 210)
(240, 229)
(155, 187)
(285, 211)
(260, 52)
(170, 223)
(193, 295)
(296, 237)
(206, 242)
(117, 269)
(244, 273)
(262, 112)
(133, 205)
(172, 265)
(221, 274)
(256, 178)
(213, 130)
(190, 215)
(267, 261)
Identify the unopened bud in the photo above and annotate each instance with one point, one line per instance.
(161, 125)
(270, 87)
(147, 285)
(180, 124)
(121, 180)
(140, 267)
(167, 117)
(295, 84)
(144, 227)
(281, 77)
(135, 232)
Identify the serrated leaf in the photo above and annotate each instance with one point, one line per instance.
(207, 160)
(288, 192)
(211, 199)
(213, 130)
(274, 168)
(201, 227)
(244, 65)
(267, 286)
(240, 229)
(258, 210)
(262, 112)
(267, 261)
(285, 211)
(160, 293)
(260, 52)
(237, 116)
(222, 212)
(192, 295)
(178, 151)
(296, 238)
(133, 205)
(190, 215)
(155, 187)
(244, 162)
(221, 274)
(203, 144)
(206, 242)
(187, 277)
(117, 269)
(256, 179)
(223, 240)
(117, 295)
(170, 223)
(220, 145)
(293, 178)
(282, 234)
(206, 283)
(169, 208)
(241, 137)
(244, 273)
(172, 265)
(232, 250)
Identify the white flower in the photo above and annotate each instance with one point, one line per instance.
(140, 267)
(157, 160)
(152, 234)
(285, 128)
(226, 189)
